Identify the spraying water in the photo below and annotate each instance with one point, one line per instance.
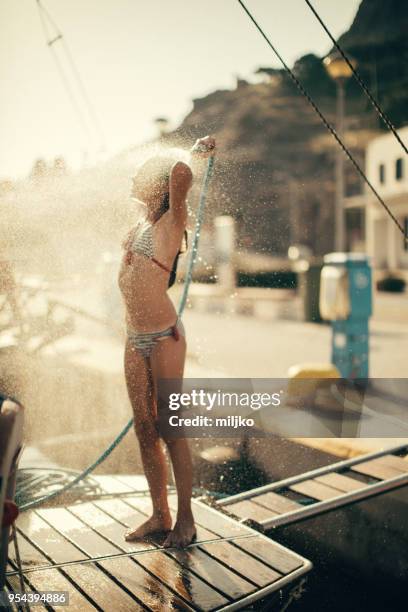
(67, 232)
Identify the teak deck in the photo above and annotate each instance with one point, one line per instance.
(80, 548)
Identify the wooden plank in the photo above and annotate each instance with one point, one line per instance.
(233, 557)
(47, 539)
(247, 509)
(111, 485)
(101, 588)
(53, 580)
(109, 527)
(316, 490)
(278, 558)
(397, 463)
(275, 502)
(29, 555)
(241, 562)
(154, 595)
(341, 482)
(376, 468)
(90, 542)
(185, 583)
(136, 482)
(140, 503)
(121, 511)
(216, 522)
(113, 530)
(264, 549)
(217, 575)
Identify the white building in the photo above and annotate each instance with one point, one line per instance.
(386, 167)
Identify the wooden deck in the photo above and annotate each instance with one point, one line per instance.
(80, 548)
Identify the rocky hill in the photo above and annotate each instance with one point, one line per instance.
(275, 167)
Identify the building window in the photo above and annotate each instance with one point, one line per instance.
(399, 168)
(381, 173)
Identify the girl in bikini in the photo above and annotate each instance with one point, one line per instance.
(156, 345)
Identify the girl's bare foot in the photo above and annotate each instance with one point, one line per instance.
(155, 524)
(182, 534)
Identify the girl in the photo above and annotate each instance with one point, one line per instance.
(156, 345)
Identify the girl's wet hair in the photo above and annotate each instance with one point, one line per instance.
(156, 169)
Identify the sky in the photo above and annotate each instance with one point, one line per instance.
(137, 60)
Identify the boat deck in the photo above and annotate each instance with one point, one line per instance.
(79, 548)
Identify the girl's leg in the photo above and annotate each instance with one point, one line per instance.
(167, 361)
(142, 397)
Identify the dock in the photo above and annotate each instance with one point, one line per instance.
(79, 548)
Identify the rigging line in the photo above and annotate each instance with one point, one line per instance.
(50, 19)
(75, 71)
(358, 78)
(90, 108)
(81, 85)
(325, 122)
(50, 41)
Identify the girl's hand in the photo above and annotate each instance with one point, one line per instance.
(204, 147)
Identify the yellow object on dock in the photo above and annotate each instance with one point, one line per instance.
(306, 378)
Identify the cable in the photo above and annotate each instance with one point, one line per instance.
(91, 110)
(325, 122)
(50, 42)
(58, 36)
(358, 78)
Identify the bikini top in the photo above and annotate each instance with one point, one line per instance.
(141, 242)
